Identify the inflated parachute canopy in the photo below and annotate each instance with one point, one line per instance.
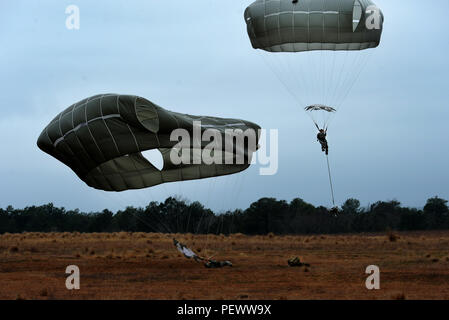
(320, 107)
(305, 25)
(101, 139)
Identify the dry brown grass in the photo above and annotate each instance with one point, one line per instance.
(393, 237)
(147, 266)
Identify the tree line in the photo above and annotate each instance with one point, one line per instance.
(266, 215)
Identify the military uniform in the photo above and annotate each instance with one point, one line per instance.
(321, 136)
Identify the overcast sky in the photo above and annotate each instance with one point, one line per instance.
(389, 141)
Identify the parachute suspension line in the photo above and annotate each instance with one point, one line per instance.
(358, 71)
(299, 74)
(188, 219)
(349, 61)
(324, 76)
(286, 87)
(362, 64)
(239, 190)
(160, 219)
(234, 183)
(117, 198)
(364, 56)
(313, 64)
(340, 71)
(294, 70)
(309, 80)
(331, 79)
(209, 221)
(314, 120)
(210, 189)
(330, 180)
(191, 208)
(351, 73)
(285, 68)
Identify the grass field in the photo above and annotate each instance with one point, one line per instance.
(148, 266)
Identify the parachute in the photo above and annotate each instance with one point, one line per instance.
(320, 115)
(320, 107)
(102, 138)
(317, 48)
(305, 25)
(208, 262)
(187, 252)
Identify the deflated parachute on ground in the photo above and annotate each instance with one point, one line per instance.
(101, 139)
(305, 25)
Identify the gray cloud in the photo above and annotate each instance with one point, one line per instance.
(389, 140)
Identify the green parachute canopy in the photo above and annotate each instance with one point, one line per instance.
(320, 114)
(305, 25)
(316, 48)
(319, 107)
(102, 138)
